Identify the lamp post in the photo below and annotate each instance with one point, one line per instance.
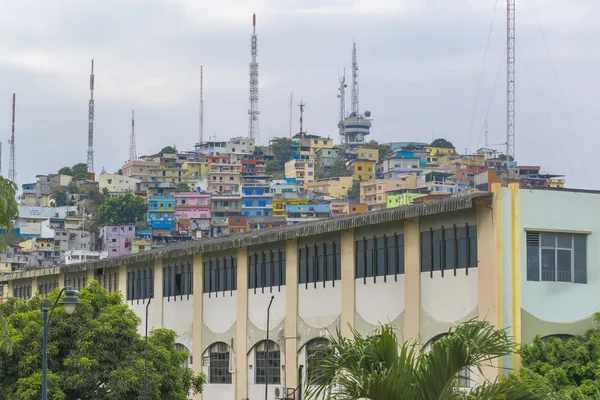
(267, 352)
(146, 352)
(69, 302)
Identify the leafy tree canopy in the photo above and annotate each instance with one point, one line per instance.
(77, 171)
(374, 367)
(183, 187)
(169, 150)
(384, 149)
(337, 169)
(8, 205)
(564, 369)
(283, 151)
(65, 171)
(504, 157)
(94, 354)
(121, 210)
(60, 198)
(442, 143)
(354, 192)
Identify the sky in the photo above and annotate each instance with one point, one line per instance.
(426, 71)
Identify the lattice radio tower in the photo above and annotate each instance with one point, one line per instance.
(354, 94)
(12, 171)
(342, 96)
(510, 79)
(201, 117)
(90, 152)
(253, 127)
(132, 150)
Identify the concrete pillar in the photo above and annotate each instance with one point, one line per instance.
(198, 274)
(90, 276)
(10, 289)
(348, 283)
(291, 313)
(61, 281)
(157, 301)
(34, 285)
(412, 286)
(123, 281)
(241, 354)
(516, 269)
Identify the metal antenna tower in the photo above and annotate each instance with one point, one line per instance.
(132, 150)
(90, 152)
(12, 171)
(253, 128)
(510, 79)
(291, 112)
(342, 96)
(301, 105)
(201, 104)
(354, 98)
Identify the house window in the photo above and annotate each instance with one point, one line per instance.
(359, 168)
(47, 287)
(449, 248)
(219, 371)
(379, 256)
(556, 257)
(220, 275)
(320, 263)
(266, 269)
(177, 280)
(316, 351)
(140, 284)
(273, 365)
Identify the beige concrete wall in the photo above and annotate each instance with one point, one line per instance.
(291, 314)
(348, 286)
(241, 353)
(157, 303)
(198, 272)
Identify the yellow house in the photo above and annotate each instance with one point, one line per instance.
(454, 159)
(374, 192)
(362, 170)
(280, 203)
(310, 144)
(367, 154)
(196, 169)
(334, 187)
(140, 246)
(301, 170)
(439, 151)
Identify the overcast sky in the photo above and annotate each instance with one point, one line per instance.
(420, 63)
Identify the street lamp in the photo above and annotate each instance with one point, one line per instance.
(69, 302)
(146, 350)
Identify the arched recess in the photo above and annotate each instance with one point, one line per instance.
(466, 378)
(561, 336)
(262, 366)
(217, 363)
(188, 360)
(311, 354)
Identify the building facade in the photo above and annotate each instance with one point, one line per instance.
(520, 259)
(334, 187)
(116, 240)
(161, 211)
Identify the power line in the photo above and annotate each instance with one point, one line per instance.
(487, 111)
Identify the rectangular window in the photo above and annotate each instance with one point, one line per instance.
(266, 269)
(380, 256)
(319, 263)
(449, 248)
(140, 284)
(178, 280)
(220, 275)
(556, 257)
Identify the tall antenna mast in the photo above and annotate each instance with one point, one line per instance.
(354, 81)
(301, 105)
(342, 97)
(90, 152)
(291, 112)
(253, 128)
(132, 150)
(201, 105)
(12, 171)
(510, 79)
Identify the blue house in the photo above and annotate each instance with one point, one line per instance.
(257, 198)
(161, 212)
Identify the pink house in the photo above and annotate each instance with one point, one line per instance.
(192, 206)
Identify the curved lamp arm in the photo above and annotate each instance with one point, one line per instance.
(57, 300)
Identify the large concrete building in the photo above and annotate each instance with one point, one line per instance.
(521, 259)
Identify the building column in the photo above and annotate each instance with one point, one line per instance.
(34, 285)
(412, 279)
(61, 281)
(348, 283)
(291, 313)
(487, 285)
(241, 354)
(123, 281)
(198, 279)
(90, 276)
(516, 269)
(157, 301)
(10, 289)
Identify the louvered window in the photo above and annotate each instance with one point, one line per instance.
(556, 257)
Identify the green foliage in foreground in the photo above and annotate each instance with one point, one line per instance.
(94, 354)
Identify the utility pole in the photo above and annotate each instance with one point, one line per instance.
(90, 152)
(12, 171)
(201, 124)
(132, 149)
(301, 105)
(253, 127)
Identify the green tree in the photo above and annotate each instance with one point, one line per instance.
(120, 172)
(80, 171)
(564, 369)
(66, 171)
(373, 367)
(169, 150)
(504, 157)
(6, 343)
(60, 198)
(72, 188)
(94, 354)
(183, 187)
(337, 169)
(442, 143)
(121, 210)
(283, 150)
(354, 192)
(8, 205)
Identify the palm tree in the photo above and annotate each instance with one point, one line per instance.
(375, 368)
(6, 343)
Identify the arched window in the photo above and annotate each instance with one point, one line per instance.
(182, 348)
(316, 351)
(273, 366)
(560, 336)
(219, 371)
(464, 377)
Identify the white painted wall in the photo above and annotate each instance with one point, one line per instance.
(220, 310)
(258, 391)
(381, 302)
(451, 298)
(178, 316)
(218, 391)
(140, 311)
(320, 306)
(258, 304)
